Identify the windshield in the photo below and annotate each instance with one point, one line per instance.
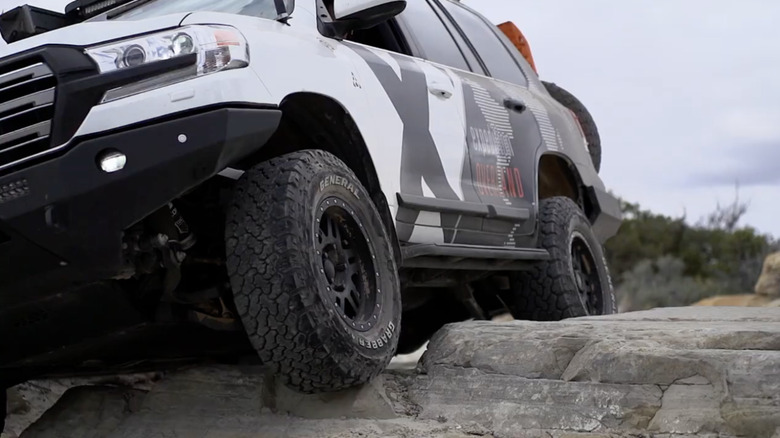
(156, 8)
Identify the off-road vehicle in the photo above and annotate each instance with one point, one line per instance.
(322, 186)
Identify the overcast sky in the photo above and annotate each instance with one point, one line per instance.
(686, 93)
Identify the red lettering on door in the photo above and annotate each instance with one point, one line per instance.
(486, 181)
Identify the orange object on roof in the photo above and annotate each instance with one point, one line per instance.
(518, 39)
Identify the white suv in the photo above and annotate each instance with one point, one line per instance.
(324, 185)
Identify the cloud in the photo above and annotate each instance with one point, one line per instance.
(752, 124)
(755, 164)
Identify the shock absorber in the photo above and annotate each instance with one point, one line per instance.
(186, 238)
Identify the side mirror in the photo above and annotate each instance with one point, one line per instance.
(26, 21)
(336, 18)
(284, 9)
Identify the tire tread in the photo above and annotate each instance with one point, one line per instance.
(273, 289)
(547, 292)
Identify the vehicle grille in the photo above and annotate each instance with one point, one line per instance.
(27, 94)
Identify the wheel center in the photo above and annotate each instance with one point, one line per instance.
(330, 269)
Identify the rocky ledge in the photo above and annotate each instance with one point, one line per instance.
(696, 371)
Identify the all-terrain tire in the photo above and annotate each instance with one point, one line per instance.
(575, 281)
(588, 125)
(313, 272)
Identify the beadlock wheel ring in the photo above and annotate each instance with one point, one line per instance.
(346, 263)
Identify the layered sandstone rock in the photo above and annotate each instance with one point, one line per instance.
(705, 371)
(687, 371)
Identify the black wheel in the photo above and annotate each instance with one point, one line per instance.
(587, 123)
(312, 272)
(575, 281)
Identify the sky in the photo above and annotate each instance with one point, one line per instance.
(685, 94)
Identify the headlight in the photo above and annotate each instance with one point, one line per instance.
(217, 48)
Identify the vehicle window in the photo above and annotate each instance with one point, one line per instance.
(156, 8)
(432, 37)
(382, 36)
(494, 54)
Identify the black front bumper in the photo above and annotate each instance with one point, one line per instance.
(61, 224)
(61, 221)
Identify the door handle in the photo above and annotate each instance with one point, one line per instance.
(441, 89)
(515, 105)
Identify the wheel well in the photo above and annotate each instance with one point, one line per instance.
(557, 177)
(315, 121)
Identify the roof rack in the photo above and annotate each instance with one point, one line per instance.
(89, 8)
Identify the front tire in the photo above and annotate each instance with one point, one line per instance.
(575, 281)
(313, 272)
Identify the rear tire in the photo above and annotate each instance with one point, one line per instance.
(588, 125)
(313, 272)
(575, 281)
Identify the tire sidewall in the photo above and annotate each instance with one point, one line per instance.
(335, 182)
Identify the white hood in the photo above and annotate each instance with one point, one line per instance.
(90, 33)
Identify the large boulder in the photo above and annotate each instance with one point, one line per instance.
(691, 371)
(769, 282)
(671, 373)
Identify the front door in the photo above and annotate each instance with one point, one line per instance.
(503, 138)
(504, 123)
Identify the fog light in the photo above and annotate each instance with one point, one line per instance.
(112, 161)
